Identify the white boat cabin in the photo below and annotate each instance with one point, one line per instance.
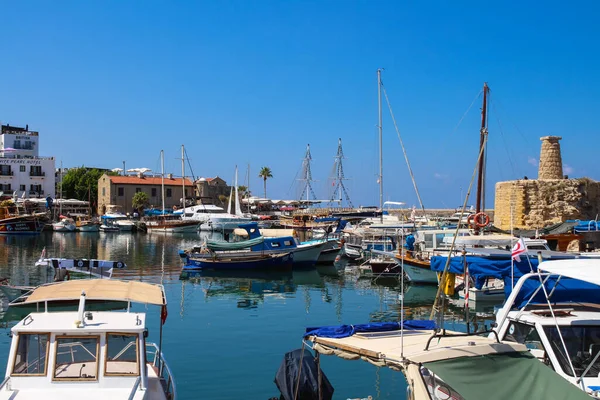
(564, 336)
(87, 354)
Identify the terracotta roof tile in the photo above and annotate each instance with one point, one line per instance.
(148, 180)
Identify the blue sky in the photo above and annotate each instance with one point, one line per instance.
(253, 82)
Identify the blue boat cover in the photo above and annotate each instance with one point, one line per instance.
(342, 331)
(587, 226)
(564, 290)
(481, 268)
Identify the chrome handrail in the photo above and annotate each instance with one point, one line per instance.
(164, 366)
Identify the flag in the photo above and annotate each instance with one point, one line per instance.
(163, 314)
(519, 248)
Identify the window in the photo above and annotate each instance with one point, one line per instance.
(428, 241)
(169, 192)
(121, 191)
(76, 358)
(22, 168)
(275, 245)
(36, 170)
(32, 354)
(22, 188)
(103, 191)
(287, 242)
(583, 344)
(137, 190)
(5, 187)
(153, 192)
(121, 354)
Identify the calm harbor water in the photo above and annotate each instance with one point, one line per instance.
(225, 336)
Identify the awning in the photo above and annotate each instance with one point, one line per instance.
(98, 289)
(581, 269)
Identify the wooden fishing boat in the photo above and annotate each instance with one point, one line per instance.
(247, 261)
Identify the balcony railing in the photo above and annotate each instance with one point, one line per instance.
(38, 174)
(6, 173)
(34, 192)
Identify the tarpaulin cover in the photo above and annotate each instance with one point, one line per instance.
(286, 378)
(567, 290)
(342, 331)
(587, 226)
(503, 376)
(481, 268)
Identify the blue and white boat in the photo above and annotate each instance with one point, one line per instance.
(246, 261)
(305, 254)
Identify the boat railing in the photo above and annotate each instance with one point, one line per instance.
(164, 372)
(4, 382)
(134, 388)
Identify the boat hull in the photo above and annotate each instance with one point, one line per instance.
(21, 226)
(306, 255)
(178, 227)
(59, 227)
(89, 228)
(328, 256)
(417, 271)
(280, 262)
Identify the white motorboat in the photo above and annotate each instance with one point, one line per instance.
(118, 220)
(555, 312)
(64, 225)
(88, 354)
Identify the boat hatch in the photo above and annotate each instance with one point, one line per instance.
(561, 312)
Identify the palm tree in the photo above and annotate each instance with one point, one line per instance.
(265, 173)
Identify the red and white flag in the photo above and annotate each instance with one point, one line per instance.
(519, 248)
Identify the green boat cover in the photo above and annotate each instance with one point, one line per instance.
(515, 375)
(221, 245)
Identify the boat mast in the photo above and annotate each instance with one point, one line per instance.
(183, 177)
(61, 191)
(248, 189)
(380, 144)
(340, 188)
(307, 177)
(482, 136)
(162, 180)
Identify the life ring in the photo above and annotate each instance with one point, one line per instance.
(119, 265)
(80, 263)
(470, 220)
(477, 219)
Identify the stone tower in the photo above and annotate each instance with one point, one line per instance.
(550, 159)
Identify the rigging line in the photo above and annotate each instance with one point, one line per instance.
(515, 125)
(464, 207)
(466, 112)
(412, 177)
(189, 164)
(510, 160)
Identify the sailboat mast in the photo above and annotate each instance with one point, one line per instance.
(482, 135)
(380, 144)
(162, 179)
(183, 177)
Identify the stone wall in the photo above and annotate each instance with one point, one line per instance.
(539, 203)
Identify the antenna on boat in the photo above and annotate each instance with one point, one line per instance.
(339, 176)
(307, 176)
(81, 311)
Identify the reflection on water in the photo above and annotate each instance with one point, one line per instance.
(221, 324)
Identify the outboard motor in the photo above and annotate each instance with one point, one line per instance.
(287, 377)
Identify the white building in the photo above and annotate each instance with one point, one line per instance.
(23, 173)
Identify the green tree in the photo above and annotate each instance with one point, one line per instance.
(140, 201)
(265, 173)
(82, 184)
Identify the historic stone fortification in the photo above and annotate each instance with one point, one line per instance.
(550, 199)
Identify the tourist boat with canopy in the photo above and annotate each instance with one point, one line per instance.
(555, 312)
(89, 354)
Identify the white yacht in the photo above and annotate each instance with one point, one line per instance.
(558, 321)
(64, 225)
(213, 218)
(88, 354)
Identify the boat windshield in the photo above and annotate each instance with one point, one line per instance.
(583, 344)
